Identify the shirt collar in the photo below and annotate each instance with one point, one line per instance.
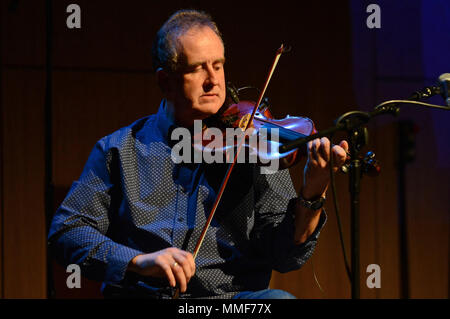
(164, 122)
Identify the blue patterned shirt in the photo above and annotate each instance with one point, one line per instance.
(131, 198)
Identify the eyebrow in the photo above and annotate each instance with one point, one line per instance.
(196, 64)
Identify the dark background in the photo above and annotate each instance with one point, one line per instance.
(101, 80)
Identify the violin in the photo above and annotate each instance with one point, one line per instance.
(236, 114)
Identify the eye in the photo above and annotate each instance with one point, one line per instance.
(218, 66)
(196, 68)
(193, 69)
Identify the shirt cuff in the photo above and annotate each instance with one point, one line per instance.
(118, 264)
(315, 234)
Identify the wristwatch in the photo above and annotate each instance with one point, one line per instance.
(314, 204)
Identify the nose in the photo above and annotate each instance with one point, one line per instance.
(211, 79)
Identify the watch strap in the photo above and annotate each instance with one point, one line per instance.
(313, 204)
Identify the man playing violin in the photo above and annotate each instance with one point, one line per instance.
(133, 218)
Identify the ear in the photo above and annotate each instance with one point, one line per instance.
(162, 78)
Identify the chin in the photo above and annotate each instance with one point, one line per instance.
(208, 110)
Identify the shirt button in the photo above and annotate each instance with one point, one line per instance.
(180, 219)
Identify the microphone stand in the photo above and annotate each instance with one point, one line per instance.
(353, 123)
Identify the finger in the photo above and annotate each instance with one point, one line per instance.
(324, 149)
(339, 156)
(313, 146)
(184, 263)
(344, 145)
(180, 277)
(322, 152)
(165, 266)
(309, 149)
(190, 260)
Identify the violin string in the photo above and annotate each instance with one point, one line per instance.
(282, 128)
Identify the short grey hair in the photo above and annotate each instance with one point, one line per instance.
(165, 50)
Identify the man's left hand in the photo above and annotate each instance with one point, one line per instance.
(316, 175)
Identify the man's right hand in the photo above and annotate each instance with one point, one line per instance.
(176, 265)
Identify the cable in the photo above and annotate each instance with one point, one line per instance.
(336, 209)
(412, 102)
(315, 277)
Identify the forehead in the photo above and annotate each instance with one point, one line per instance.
(201, 44)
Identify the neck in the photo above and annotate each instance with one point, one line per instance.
(183, 118)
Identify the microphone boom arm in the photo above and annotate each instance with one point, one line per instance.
(387, 107)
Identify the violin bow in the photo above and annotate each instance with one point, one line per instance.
(231, 166)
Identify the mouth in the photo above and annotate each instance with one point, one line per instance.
(209, 95)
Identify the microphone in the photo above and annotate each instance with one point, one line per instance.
(441, 88)
(444, 81)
